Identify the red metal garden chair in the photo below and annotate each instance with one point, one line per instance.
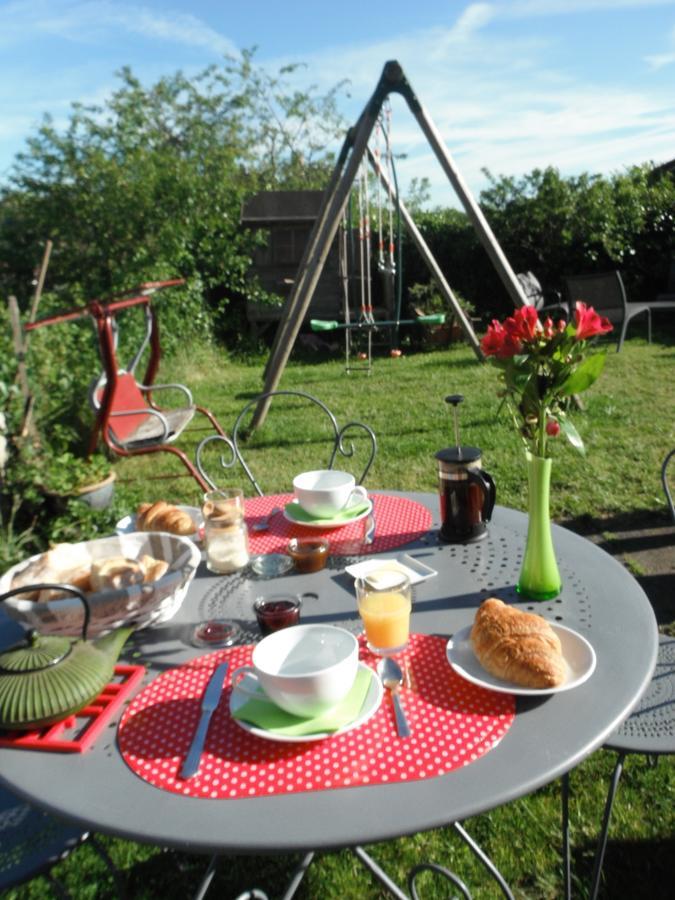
(128, 420)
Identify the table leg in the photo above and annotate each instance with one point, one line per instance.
(298, 875)
(484, 858)
(207, 879)
(565, 804)
(379, 873)
(602, 841)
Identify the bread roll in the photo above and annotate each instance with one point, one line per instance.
(517, 646)
(115, 573)
(162, 516)
(153, 568)
(64, 563)
(79, 578)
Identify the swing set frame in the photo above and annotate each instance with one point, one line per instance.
(336, 195)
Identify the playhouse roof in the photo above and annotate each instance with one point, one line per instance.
(281, 206)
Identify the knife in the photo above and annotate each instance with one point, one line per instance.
(210, 701)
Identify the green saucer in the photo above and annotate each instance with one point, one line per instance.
(293, 512)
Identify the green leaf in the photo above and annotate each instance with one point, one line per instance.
(572, 434)
(584, 376)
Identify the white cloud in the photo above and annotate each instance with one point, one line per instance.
(495, 94)
(86, 21)
(472, 19)
(572, 7)
(661, 60)
(501, 103)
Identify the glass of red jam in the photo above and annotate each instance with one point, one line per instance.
(276, 612)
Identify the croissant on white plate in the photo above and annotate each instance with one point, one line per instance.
(517, 646)
(162, 516)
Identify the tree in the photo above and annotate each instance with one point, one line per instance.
(560, 226)
(150, 185)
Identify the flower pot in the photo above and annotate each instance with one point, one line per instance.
(539, 576)
(98, 495)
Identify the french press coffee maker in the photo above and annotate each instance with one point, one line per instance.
(467, 492)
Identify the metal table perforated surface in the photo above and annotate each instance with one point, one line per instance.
(549, 736)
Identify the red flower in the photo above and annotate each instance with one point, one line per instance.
(499, 342)
(548, 327)
(524, 324)
(589, 323)
(491, 344)
(552, 428)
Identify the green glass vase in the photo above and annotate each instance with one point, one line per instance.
(539, 576)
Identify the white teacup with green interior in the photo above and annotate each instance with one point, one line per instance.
(305, 669)
(326, 492)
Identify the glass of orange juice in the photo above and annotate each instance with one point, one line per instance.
(384, 598)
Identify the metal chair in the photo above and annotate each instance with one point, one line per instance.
(32, 841)
(666, 486)
(606, 293)
(535, 294)
(311, 429)
(670, 286)
(649, 730)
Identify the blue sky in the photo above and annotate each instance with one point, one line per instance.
(584, 85)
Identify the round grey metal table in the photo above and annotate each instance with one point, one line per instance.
(549, 736)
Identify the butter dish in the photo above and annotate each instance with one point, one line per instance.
(415, 570)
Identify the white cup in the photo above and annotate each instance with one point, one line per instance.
(305, 669)
(326, 492)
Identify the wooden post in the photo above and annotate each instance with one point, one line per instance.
(21, 375)
(473, 211)
(42, 274)
(314, 259)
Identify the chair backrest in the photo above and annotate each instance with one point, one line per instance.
(297, 425)
(531, 288)
(670, 287)
(603, 291)
(127, 402)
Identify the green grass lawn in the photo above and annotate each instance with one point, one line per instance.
(628, 425)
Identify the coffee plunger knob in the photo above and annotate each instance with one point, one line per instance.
(455, 400)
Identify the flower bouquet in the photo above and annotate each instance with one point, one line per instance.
(542, 366)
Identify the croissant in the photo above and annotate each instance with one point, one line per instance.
(162, 516)
(517, 646)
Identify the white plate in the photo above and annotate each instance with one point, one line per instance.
(415, 570)
(127, 525)
(370, 706)
(289, 514)
(578, 654)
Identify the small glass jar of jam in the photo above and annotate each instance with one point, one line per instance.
(309, 555)
(276, 612)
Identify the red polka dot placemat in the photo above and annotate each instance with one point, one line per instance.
(453, 723)
(398, 521)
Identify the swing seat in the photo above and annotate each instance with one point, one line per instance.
(133, 423)
(332, 325)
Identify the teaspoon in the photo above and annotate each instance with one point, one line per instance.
(392, 677)
(264, 524)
